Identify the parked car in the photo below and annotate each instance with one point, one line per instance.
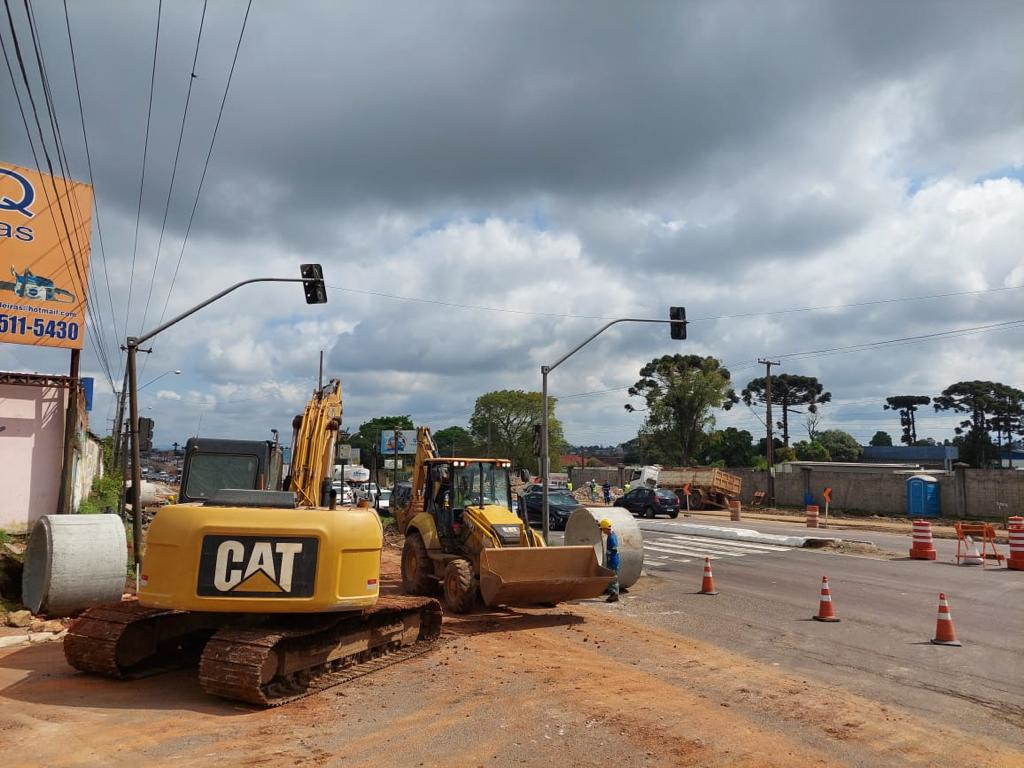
(384, 501)
(345, 495)
(650, 502)
(364, 490)
(561, 504)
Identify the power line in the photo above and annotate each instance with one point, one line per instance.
(88, 158)
(65, 167)
(174, 168)
(100, 351)
(206, 165)
(145, 152)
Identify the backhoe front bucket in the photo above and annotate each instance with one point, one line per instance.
(530, 575)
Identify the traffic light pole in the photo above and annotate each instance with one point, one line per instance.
(133, 397)
(544, 371)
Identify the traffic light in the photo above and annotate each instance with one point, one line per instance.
(145, 434)
(678, 317)
(316, 291)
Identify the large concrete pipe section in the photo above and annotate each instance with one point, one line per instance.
(584, 528)
(74, 562)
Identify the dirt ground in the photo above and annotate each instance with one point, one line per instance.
(572, 686)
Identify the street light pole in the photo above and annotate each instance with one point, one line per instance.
(133, 343)
(544, 371)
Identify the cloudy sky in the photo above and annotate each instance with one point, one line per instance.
(484, 181)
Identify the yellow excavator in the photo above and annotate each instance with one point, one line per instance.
(277, 592)
(462, 535)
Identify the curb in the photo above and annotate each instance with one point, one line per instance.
(744, 534)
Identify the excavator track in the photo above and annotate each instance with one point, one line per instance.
(127, 641)
(272, 665)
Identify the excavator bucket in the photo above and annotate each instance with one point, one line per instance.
(531, 575)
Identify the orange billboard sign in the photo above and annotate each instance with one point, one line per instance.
(45, 224)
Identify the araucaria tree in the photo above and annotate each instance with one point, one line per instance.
(789, 392)
(991, 407)
(907, 407)
(680, 391)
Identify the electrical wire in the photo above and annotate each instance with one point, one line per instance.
(174, 168)
(145, 153)
(100, 351)
(88, 158)
(206, 165)
(73, 208)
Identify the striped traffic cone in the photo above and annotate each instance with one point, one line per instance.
(825, 610)
(707, 584)
(945, 633)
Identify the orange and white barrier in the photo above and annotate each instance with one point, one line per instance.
(812, 515)
(707, 584)
(922, 546)
(945, 632)
(825, 610)
(735, 507)
(1016, 535)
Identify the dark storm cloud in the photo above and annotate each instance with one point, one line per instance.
(583, 158)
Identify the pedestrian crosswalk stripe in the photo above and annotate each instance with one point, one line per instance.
(727, 542)
(692, 553)
(711, 549)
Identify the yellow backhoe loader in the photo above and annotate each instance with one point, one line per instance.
(277, 592)
(460, 532)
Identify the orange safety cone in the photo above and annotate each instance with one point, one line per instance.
(825, 610)
(945, 634)
(707, 584)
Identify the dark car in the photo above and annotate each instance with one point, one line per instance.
(561, 505)
(650, 502)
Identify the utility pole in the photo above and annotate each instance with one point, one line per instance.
(769, 445)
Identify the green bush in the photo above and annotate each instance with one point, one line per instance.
(105, 493)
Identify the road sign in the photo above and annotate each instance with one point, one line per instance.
(45, 223)
(344, 452)
(686, 489)
(828, 495)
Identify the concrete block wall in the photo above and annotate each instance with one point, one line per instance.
(886, 493)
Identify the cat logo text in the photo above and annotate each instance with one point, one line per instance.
(256, 566)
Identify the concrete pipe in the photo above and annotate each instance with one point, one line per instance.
(73, 562)
(583, 528)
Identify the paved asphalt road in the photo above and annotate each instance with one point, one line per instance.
(880, 648)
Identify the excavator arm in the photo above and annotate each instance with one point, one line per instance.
(313, 439)
(425, 449)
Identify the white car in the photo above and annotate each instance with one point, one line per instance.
(345, 495)
(366, 489)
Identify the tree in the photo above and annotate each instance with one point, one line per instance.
(369, 432)
(811, 451)
(504, 420)
(680, 392)
(455, 441)
(734, 447)
(907, 406)
(881, 439)
(990, 406)
(812, 423)
(841, 446)
(789, 391)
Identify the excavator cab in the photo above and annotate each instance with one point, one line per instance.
(460, 532)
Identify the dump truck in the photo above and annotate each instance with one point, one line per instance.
(276, 594)
(710, 487)
(461, 535)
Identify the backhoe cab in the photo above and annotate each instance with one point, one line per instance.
(460, 531)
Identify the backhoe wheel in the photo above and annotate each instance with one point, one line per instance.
(417, 573)
(459, 586)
